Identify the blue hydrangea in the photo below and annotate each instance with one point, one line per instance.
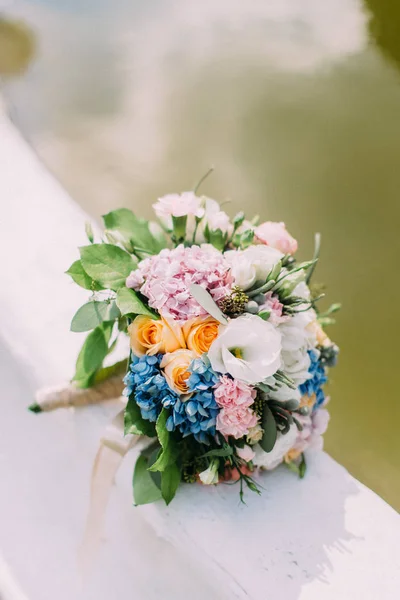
(202, 377)
(317, 379)
(196, 416)
(149, 385)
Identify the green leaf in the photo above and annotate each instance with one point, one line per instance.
(133, 231)
(228, 451)
(118, 368)
(205, 300)
(92, 314)
(79, 275)
(317, 250)
(129, 302)
(169, 449)
(91, 356)
(170, 480)
(107, 264)
(270, 430)
(145, 490)
(134, 422)
(264, 314)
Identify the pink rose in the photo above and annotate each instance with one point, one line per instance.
(231, 393)
(276, 235)
(236, 421)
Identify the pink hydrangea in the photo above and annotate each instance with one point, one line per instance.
(236, 422)
(277, 236)
(272, 305)
(231, 393)
(165, 279)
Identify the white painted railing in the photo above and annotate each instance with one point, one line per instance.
(327, 536)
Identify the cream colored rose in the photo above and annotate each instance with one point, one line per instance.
(200, 333)
(149, 336)
(175, 366)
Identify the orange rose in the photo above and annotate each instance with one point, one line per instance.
(149, 336)
(175, 365)
(200, 333)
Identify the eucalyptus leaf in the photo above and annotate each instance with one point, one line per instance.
(79, 275)
(92, 314)
(145, 490)
(134, 422)
(205, 300)
(270, 430)
(170, 480)
(129, 302)
(107, 264)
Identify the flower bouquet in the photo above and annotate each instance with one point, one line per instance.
(228, 358)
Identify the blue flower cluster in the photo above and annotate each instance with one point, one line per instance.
(149, 385)
(202, 375)
(195, 416)
(317, 379)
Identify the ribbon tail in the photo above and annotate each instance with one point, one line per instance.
(113, 447)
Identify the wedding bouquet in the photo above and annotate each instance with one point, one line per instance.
(228, 358)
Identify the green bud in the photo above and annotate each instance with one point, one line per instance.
(275, 271)
(89, 232)
(252, 307)
(238, 220)
(246, 239)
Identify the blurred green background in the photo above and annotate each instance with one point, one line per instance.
(296, 104)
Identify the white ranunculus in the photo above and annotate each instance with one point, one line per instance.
(270, 460)
(297, 338)
(248, 348)
(252, 264)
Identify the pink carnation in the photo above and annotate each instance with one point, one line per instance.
(276, 235)
(179, 205)
(232, 393)
(272, 305)
(236, 421)
(165, 279)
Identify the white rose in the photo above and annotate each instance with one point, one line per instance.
(253, 264)
(297, 339)
(270, 460)
(248, 348)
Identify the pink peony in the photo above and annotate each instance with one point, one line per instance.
(276, 235)
(272, 304)
(232, 393)
(236, 421)
(165, 279)
(179, 205)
